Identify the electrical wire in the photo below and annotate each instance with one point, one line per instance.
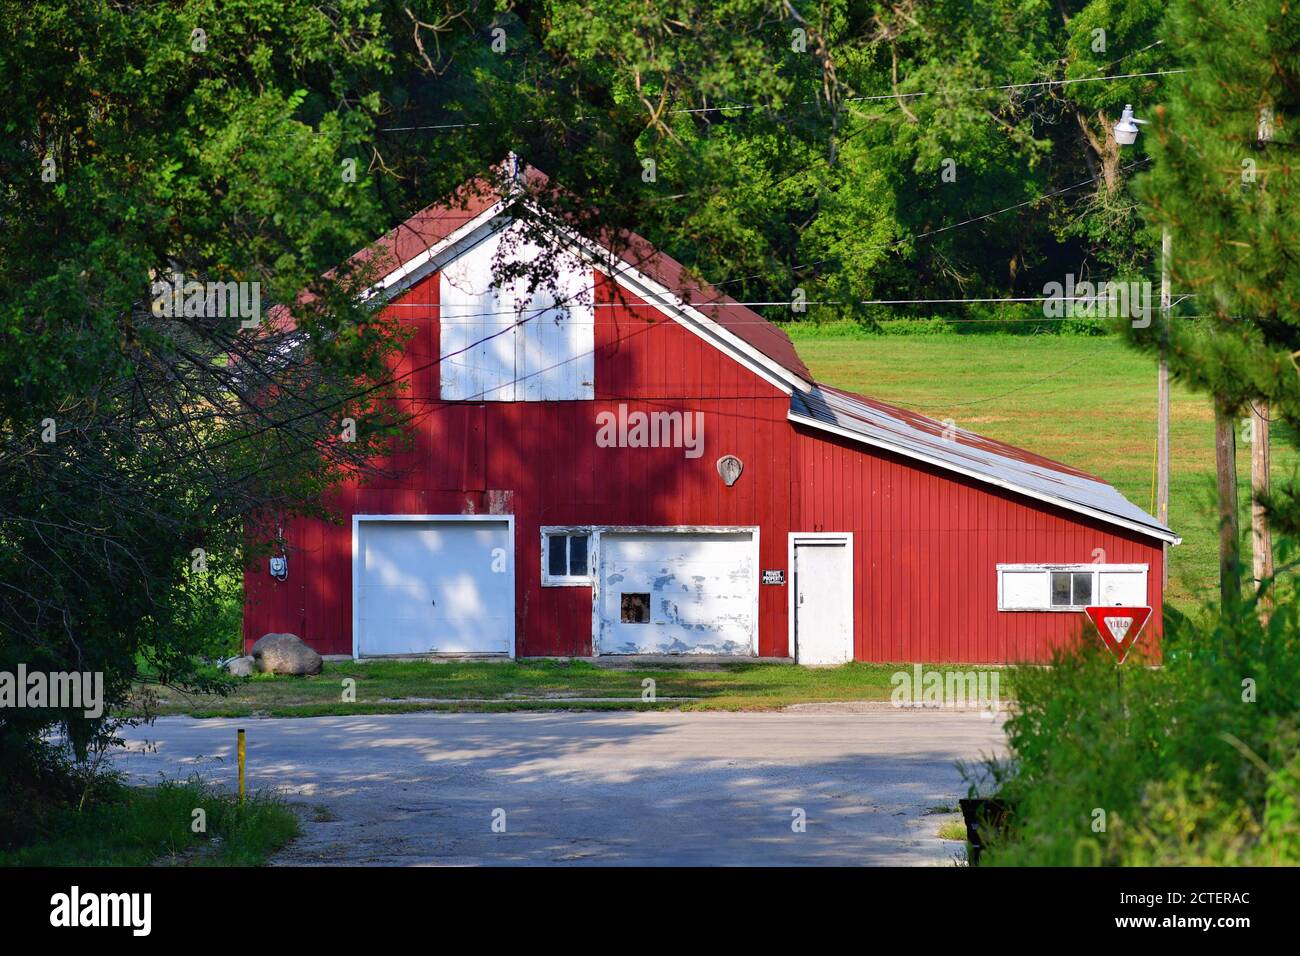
(972, 89)
(934, 232)
(855, 99)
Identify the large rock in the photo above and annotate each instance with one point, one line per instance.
(285, 654)
(241, 666)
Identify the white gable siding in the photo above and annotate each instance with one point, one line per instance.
(505, 344)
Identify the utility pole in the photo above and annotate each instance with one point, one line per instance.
(1125, 133)
(1260, 535)
(1261, 539)
(1162, 394)
(1225, 461)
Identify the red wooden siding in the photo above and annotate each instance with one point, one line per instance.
(927, 544)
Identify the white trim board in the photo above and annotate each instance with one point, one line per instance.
(672, 305)
(509, 521)
(435, 256)
(987, 479)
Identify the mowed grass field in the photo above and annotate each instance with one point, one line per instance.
(1088, 401)
(394, 686)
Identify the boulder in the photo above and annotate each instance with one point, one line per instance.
(285, 654)
(241, 666)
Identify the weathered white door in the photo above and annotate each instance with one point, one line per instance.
(676, 592)
(433, 586)
(823, 600)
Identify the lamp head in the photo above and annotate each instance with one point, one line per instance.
(1126, 130)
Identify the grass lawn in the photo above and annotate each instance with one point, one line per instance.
(953, 830)
(394, 686)
(143, 826)
(1088, 401)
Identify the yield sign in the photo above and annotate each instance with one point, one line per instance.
(1119, 627)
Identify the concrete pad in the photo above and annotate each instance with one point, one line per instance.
(619, 788)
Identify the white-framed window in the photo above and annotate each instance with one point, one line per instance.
(566, 557)
(1070, 587)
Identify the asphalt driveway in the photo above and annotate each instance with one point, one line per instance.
(662, 788)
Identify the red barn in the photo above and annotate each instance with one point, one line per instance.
(643, 466)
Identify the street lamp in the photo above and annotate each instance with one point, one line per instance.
(1126, 132)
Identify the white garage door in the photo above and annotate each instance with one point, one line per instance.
(676, 592)
(434, 586)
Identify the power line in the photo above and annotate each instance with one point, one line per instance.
(405, 129)
(966, 222)
(856, 99)
(337, 403)
(714, 303)
(972, 89)
(539, 311)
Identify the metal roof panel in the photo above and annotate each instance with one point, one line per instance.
(914, 435)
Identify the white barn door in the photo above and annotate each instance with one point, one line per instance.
(509, 342)
(432, 586)
(822, 595)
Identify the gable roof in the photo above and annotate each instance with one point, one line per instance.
(915, 436)
(407, 248)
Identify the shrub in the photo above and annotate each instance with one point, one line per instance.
(1195, 762)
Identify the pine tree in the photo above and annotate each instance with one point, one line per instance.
(1225, 182)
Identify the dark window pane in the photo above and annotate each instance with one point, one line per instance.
(1082, 588)
(1060, 589)
(556, 558)
(634, 608)
(578, 555)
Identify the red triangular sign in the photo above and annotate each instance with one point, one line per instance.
(1119, 627)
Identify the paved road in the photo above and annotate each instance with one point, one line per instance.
(661, 788)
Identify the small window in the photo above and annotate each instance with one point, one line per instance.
(566, 558)
(557, 558)
(634, 607)
(1082, 588)
(578, 556)
(1069, 587)
(1060, 589)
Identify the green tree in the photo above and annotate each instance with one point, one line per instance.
(217, 142)
(1224, 183)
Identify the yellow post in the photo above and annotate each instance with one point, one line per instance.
(241, 766)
